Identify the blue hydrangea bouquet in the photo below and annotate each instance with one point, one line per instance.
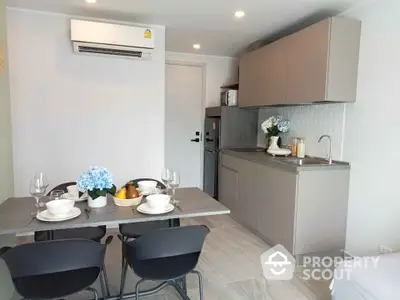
(273, 126)
(97, 181)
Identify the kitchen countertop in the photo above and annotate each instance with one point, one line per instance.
(279, 162)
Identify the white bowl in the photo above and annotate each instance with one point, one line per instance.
(147, 186)
(60, 207)
(157, 201)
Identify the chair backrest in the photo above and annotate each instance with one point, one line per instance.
(160, 185)
(62, 187)
(53, 256)
(169, 242)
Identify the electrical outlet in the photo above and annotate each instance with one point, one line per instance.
(383, 249)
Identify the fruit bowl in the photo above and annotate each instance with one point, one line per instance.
(128, 202)
(128, 195)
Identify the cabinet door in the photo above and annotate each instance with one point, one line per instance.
(251, 181)
(307, 63)
(272, 89)
(249, 78)
(228, 188)
(262, 76)
(276, 206)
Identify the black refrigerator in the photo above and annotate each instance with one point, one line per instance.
(225, 128)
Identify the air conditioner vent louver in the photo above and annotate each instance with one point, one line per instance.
(108, 51)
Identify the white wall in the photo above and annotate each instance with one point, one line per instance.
(371, 136)
(6, 167)
(72, 111)
(219, 71)
(310, 122)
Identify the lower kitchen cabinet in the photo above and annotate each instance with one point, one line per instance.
(305, 211)
(229, 188)
(276, 202)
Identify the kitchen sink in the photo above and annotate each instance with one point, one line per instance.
(258, 149)
(316, 161)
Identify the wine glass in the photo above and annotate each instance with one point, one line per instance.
(175, 181)
(38, 187)
(166, 176)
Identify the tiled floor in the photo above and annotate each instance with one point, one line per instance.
(231, 269)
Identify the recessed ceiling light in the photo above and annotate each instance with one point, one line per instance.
(90, 1)
(196, 46)
(239, 14)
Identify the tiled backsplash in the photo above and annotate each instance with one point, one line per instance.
(310, 122)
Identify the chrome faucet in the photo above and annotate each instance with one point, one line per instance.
(329, 158)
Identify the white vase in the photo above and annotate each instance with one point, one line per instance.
(98, 202)
(274, 143)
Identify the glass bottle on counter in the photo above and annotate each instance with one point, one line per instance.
(293, 146)
(301, 148)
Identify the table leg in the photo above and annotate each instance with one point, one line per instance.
(175, 223)
(50, 235)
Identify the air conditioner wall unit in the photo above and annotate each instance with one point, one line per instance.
(112, 40)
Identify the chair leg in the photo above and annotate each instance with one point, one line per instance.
(106, 281)
(123, 279)
(200, 283)
(96, 296)
(122, 254)
(137, 290)
(178, 288)
(184, 285)
(102, 284)
(123, 260)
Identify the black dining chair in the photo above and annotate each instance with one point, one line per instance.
(55, 269)
(167, 255)
(90, 233)
(135, 230)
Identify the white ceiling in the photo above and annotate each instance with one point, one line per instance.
(207, 22)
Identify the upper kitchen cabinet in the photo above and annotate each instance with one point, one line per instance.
(250, 79)
(316, 64)
(322, 62)
(262, 76)
(307, 64)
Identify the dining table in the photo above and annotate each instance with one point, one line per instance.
(16, 216)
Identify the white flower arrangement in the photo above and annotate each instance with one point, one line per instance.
(273, 126)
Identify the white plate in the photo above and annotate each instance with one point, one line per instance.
(83, 198)
(47, 217)
(280, 151)
(145, 209)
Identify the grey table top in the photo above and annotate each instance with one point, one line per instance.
(279, 162)
(15, 213)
